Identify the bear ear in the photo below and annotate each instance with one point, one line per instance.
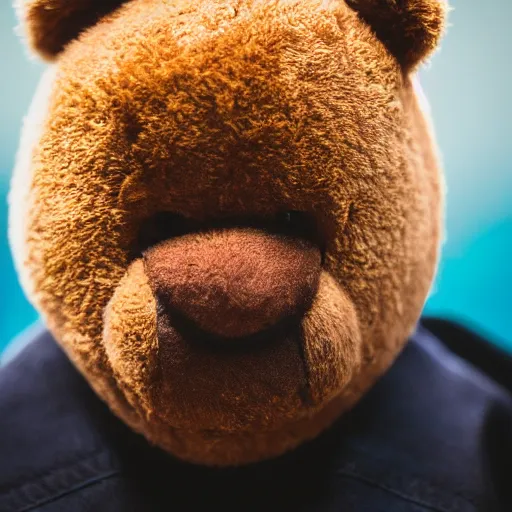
(410, 29)
(50, 24)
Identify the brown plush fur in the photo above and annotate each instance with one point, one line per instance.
(409, 28)
(234, 282)
(54, 23)
(228, 109)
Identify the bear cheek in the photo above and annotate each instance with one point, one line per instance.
(130, 336)
(332, 340)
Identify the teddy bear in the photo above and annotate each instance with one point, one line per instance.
(228, 214)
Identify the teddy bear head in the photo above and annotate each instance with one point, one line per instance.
(228, 212)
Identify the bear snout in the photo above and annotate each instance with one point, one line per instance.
(234, 282)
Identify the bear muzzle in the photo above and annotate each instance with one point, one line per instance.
(229, 328)
(234, 283)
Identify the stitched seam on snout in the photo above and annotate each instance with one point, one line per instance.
(304, 391)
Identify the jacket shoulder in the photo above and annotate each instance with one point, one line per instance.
(476, 349)
(50, 444)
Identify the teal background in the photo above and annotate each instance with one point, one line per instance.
(468, 83)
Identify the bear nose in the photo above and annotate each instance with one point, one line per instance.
(234, 282)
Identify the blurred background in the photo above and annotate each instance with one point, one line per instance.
(469, 85)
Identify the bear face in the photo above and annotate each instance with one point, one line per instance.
(229, 212)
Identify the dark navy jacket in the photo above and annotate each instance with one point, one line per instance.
(435, 434)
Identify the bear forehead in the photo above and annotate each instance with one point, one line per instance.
(229, 68)
(153, 33)
(255, 85)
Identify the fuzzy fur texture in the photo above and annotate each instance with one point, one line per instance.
(409, 28)
(52, 24)
(228, 109)
(235, 282)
